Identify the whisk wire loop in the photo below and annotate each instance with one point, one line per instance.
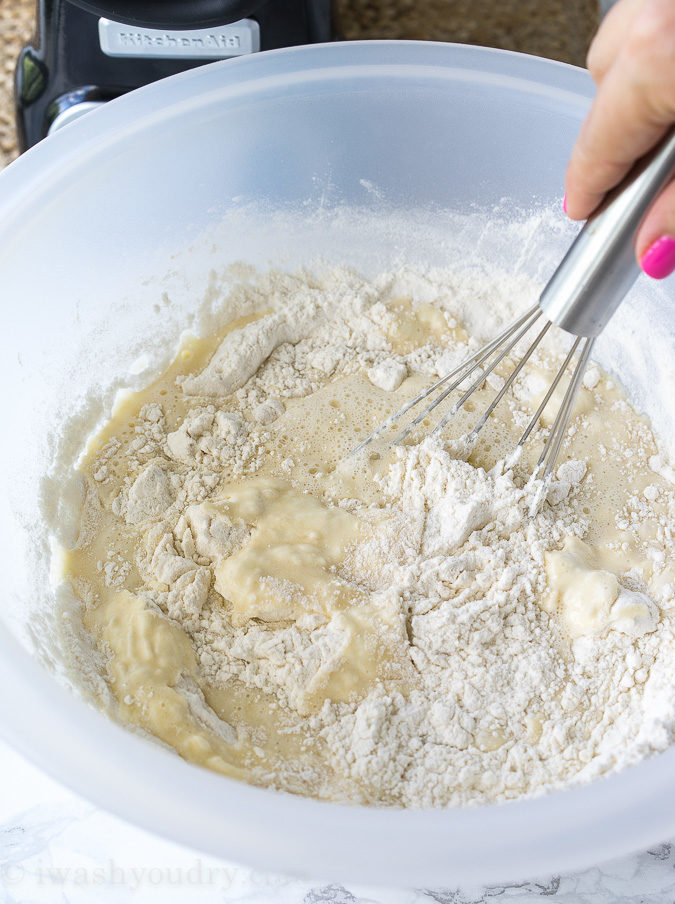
(486, 373)
(486, 360)
(484, 352)
(509, 381)
(552, 388)
(557, 433)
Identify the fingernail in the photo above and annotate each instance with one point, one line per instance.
(565, 204)
(658, 261)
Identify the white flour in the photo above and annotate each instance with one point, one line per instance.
(501, 701)
(494, 675)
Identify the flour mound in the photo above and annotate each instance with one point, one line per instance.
(491, 693)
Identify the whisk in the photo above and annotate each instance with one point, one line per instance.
(580, 298)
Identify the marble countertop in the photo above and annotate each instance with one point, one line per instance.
(57, 847)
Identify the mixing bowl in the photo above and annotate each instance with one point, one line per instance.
(368, 154)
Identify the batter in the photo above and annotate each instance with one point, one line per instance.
(390, 629)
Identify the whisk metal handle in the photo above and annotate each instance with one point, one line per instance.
(600, 266)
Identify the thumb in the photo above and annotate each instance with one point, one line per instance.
(633, 108)
(655, 244)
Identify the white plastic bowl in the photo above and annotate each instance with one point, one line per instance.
(407, 132)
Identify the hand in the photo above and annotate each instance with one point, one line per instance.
(632, 61)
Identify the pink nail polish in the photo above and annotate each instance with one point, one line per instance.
(565, 204)
(658, 261)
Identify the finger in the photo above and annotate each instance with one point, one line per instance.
(610, 37)
(619, 129)
(655, 244)
(632, 109)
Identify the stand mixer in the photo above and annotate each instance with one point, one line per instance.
(86, 53)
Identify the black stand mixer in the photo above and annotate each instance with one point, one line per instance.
(86, 53)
